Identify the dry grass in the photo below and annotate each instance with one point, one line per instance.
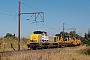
(68, 53)
(14, 42)
(85, 51)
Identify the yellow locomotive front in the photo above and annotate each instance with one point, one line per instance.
(34, 41)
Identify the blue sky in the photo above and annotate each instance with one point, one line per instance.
(74, 13)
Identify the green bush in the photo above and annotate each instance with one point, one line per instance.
(88, 42)
(87, 51)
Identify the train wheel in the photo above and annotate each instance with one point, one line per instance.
(34, 47)
(28, 46)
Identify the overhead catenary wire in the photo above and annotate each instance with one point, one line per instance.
(49, 27)
(29, 6)
(37, 15)
(6, 14)
(8, 10)
(13, 16)
(66, 24)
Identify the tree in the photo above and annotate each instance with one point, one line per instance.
(86, 36)
(9, 35)
(60, 34)
(88, 33)
(72, 34)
